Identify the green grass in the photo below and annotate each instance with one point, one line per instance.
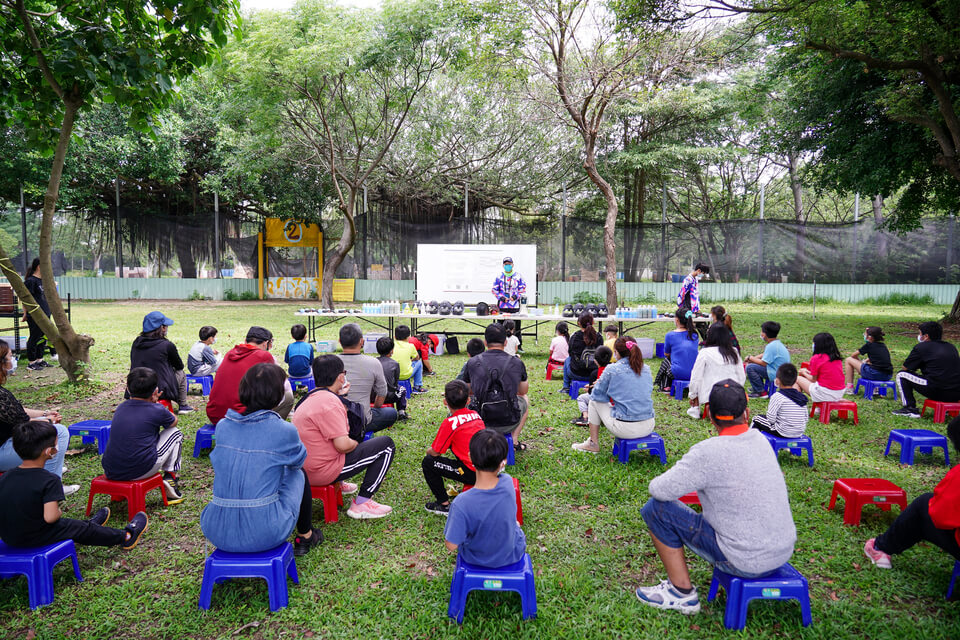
(390, 578)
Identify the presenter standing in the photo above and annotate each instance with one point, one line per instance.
(508, 288)
(689, 295)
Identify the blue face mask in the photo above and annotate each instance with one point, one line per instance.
(508, 268)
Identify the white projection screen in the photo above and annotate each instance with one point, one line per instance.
(466, 272)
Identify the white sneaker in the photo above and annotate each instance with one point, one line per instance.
(848, 390)
(70, 489)
(666, 596)
(694, 412)
(877, 557)
(587, 445)
(346, 488)
(368, 509)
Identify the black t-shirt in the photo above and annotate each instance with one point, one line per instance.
(577, 346)
(937, 361)
(11, 414)
(879, 356)
(35, 287)
(23, 492)
(477, 373)
(134, 432)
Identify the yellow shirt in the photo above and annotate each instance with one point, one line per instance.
(609, 343)
(404, 353)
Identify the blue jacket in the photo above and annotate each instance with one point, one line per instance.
(258, 482)
(632, 394)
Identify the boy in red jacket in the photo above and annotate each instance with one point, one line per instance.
(454, 434)
(932, 517)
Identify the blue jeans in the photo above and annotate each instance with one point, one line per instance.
(568, 375)
(869, 373)
(757, 375)
(9, 458)
(417, 376)
(381, 418)
(677, 525)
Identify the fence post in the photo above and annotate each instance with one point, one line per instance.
(856, 224)
(814, 299)
(563, 237)
(23, 232)
(763, 195)
(119, 234)
(946, 279)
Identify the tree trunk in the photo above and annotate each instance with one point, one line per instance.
(954, 316)
(335, 259)
(609, 245)
(188, 264)
(800, 262)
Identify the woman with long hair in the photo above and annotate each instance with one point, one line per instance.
(717, 361)
(628, 384)
(560, 345)
(822, 378)
(37, 342)
(719, 314)
(679, 350)
(580, 364)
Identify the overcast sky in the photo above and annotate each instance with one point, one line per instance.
(280, 5)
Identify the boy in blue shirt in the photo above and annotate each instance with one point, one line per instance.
(763, 368)
(299, 354)
(482, 525)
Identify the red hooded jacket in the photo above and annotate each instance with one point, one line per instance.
(226, 385)
(944, 506)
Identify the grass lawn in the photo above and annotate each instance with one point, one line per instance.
(390, 578)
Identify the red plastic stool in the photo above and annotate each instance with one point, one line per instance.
(941, 409)
(516, 486)
(691, 499)
(332, 497)
(551, 368)
(843, 408)
(857, 492)
(133, 491)
(168, 405)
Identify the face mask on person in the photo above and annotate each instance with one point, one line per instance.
(865, 337)
(508, 268)
(214, 341)
(920, 338)
(13, 365)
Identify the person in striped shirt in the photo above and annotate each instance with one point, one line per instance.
(786, 413)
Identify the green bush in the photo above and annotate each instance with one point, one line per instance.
(900, 299)
(585, 297)
(248, 295)
(228, 294)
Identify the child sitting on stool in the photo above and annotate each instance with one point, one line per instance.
(396, 395)
(786, 413)
(603, 357)
(299, 353)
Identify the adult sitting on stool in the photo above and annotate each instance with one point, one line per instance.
(366, 380)
(939, 365)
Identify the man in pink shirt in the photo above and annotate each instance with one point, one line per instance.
(332, 455)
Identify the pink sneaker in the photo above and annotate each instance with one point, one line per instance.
(877, 557)
(347, 487)
(369, 509)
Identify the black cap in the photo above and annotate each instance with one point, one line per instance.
(728, 401)
(508, 259)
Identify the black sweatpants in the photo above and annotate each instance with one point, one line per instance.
(914, 525)
(908, 382)
(305, 519)
(664, 377)
(374, 457)
(36, 343)
(436, 468)
(81, 532)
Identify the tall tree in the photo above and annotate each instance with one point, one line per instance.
(56, 61)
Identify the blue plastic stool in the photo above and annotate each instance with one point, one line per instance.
(511, 460)
(794, 445)
(205, 382)
(678, 387)
(406, 384)
(367, 435)
(880, 386)
(923, 439)
(37, 565)
(785, 583)
(953, 579)
(92, 431)
(652, 443)
(770, 387)
(513, 577)
(660, 347)
(575, 386)
(204, 439)
(273, 566)
(305, 381)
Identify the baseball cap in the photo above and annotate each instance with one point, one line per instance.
(728, 401)
(508, 259)
(154, 320)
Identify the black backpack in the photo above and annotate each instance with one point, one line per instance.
(356, 417)
(492, 402)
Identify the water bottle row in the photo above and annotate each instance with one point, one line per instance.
(388, 307)
(641, 312)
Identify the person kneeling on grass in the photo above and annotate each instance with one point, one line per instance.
(746, 528)
(29, 513)
(482, 525)
(931, 517)
(454, 434)
(144, 438)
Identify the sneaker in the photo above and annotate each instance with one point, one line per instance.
(666, 596)
(367, 510)
(64, 470)
(44, 364)
(757, 394)
(581, 422)
(439, 508)
(402, 415)
(35, 366)
(430, 373)
(173, 492)
(564, 391)
(185, 408)
(587, 445)
(907, 412)
(70, 489)
(346, 488)
(419, 390)
(101, 516)
(694, 412)
(301, 546)
(877, 557)
(135, 528)
(848, 390)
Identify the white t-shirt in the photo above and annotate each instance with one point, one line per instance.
(559, 349)
(511, 345)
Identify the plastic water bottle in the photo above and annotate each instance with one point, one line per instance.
(655, 315)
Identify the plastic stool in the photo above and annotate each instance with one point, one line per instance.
(516, 488)
(273, 566)
(678, 387)
(953, 579)
(660, 346)
(513, 577)
(134, 491)
(794, 445)
(923, 439)
(204, 439)
(843, 409)
(304, 381)
(551, 367)
(37, 563)
(652, 443)
(205, 382)
(785, 583)
(691, 499)
(406, 384)
(770, 387)
(575, 386)
(941, 409)
(857, 492)
(511, 459)
(332, 497)
(878, 386)
(92, 431)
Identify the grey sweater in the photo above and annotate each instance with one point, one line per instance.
(743, 495)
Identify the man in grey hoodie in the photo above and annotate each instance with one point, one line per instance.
(746, 528)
